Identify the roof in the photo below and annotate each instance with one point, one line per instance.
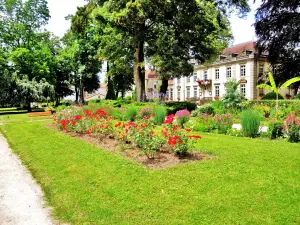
(240, 49)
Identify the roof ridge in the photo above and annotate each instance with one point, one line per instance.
(242, 43)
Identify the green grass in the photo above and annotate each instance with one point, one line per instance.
(12, 115)
(250, 181)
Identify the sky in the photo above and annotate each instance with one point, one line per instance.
(242, 29)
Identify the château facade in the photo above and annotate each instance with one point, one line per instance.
(240, 62)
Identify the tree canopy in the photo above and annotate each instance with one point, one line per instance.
(278, 27)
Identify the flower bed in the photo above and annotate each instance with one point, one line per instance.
(141, 136)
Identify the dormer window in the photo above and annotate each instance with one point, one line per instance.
(248, 52)
(233, 55)
(222, 57)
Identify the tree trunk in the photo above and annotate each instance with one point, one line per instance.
(81, 94)
(163, 88)
(29, 106)
(76, 95)
(139, 72)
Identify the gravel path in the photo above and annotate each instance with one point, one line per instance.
(21, 199)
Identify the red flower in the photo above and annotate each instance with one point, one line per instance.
(147, 117)
(73, 123)
(169, 119)
(78, 117)
(89, 131)
(151, 132)
(188, 129)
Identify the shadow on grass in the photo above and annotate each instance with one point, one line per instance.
(17, 112)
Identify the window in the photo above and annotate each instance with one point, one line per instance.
(195, 77)
(205, 75)
(261, 70)
(261, 92)
(167, 94)
(243, 70)
(228, 72)
(217, 91)
(188, 92)
(154, 86)
(178, 94)
(195, 92)
(217, 75)
(188, 79)
(171, 93)
(178, 80)
(243, 89)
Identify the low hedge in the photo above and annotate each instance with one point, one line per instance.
(173, 107)
(295, 104)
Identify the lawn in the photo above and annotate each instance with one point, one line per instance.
(250, 181)
(12, 115)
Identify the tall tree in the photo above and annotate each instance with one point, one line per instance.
(191, 24)
(278, 27)
(85, 34)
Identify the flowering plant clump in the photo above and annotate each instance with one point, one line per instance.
(220, 123)
(145, 112)
(291, 128)
(84, 121)
(182, 116)
(177, 138)
(142, 135)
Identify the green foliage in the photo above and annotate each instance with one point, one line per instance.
(173, 107)
(297, 97)
(263, 109)
(234, 132)
(159, 115)
(207, 109)
(271, 96)
(275, 130)
(232, 97)
(219, 107)
(250, 121)
(131, 113)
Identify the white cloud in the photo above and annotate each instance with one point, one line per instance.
(59, 9)
(243, 29)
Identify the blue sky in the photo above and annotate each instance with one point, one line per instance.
(242, 29)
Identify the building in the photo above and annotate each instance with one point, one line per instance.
(240, 62)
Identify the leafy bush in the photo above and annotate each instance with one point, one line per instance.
(159, 115)
(131, 113)
(182, 116)
(218, 107)
(275, 129)
(292, 128)
(173, 107)
(297, 97)
(232, 97)
(207, 109)
(250, 120)
(219, 123)
(145, 112)
(234, 132)
(263, 109)
(271, 96)
(118, 114)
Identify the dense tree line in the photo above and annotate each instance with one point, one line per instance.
(278, 29)
(35, 65)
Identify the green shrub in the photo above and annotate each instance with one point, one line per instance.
(160, 114)
(297, 97)
(234, 132)
(232, 97)
(207, 109)
(131, 113)
(263, 109)
(275, 130)
(271, 96)
(250, 120)
(118, 114)
(218, 107)
(173, 107)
